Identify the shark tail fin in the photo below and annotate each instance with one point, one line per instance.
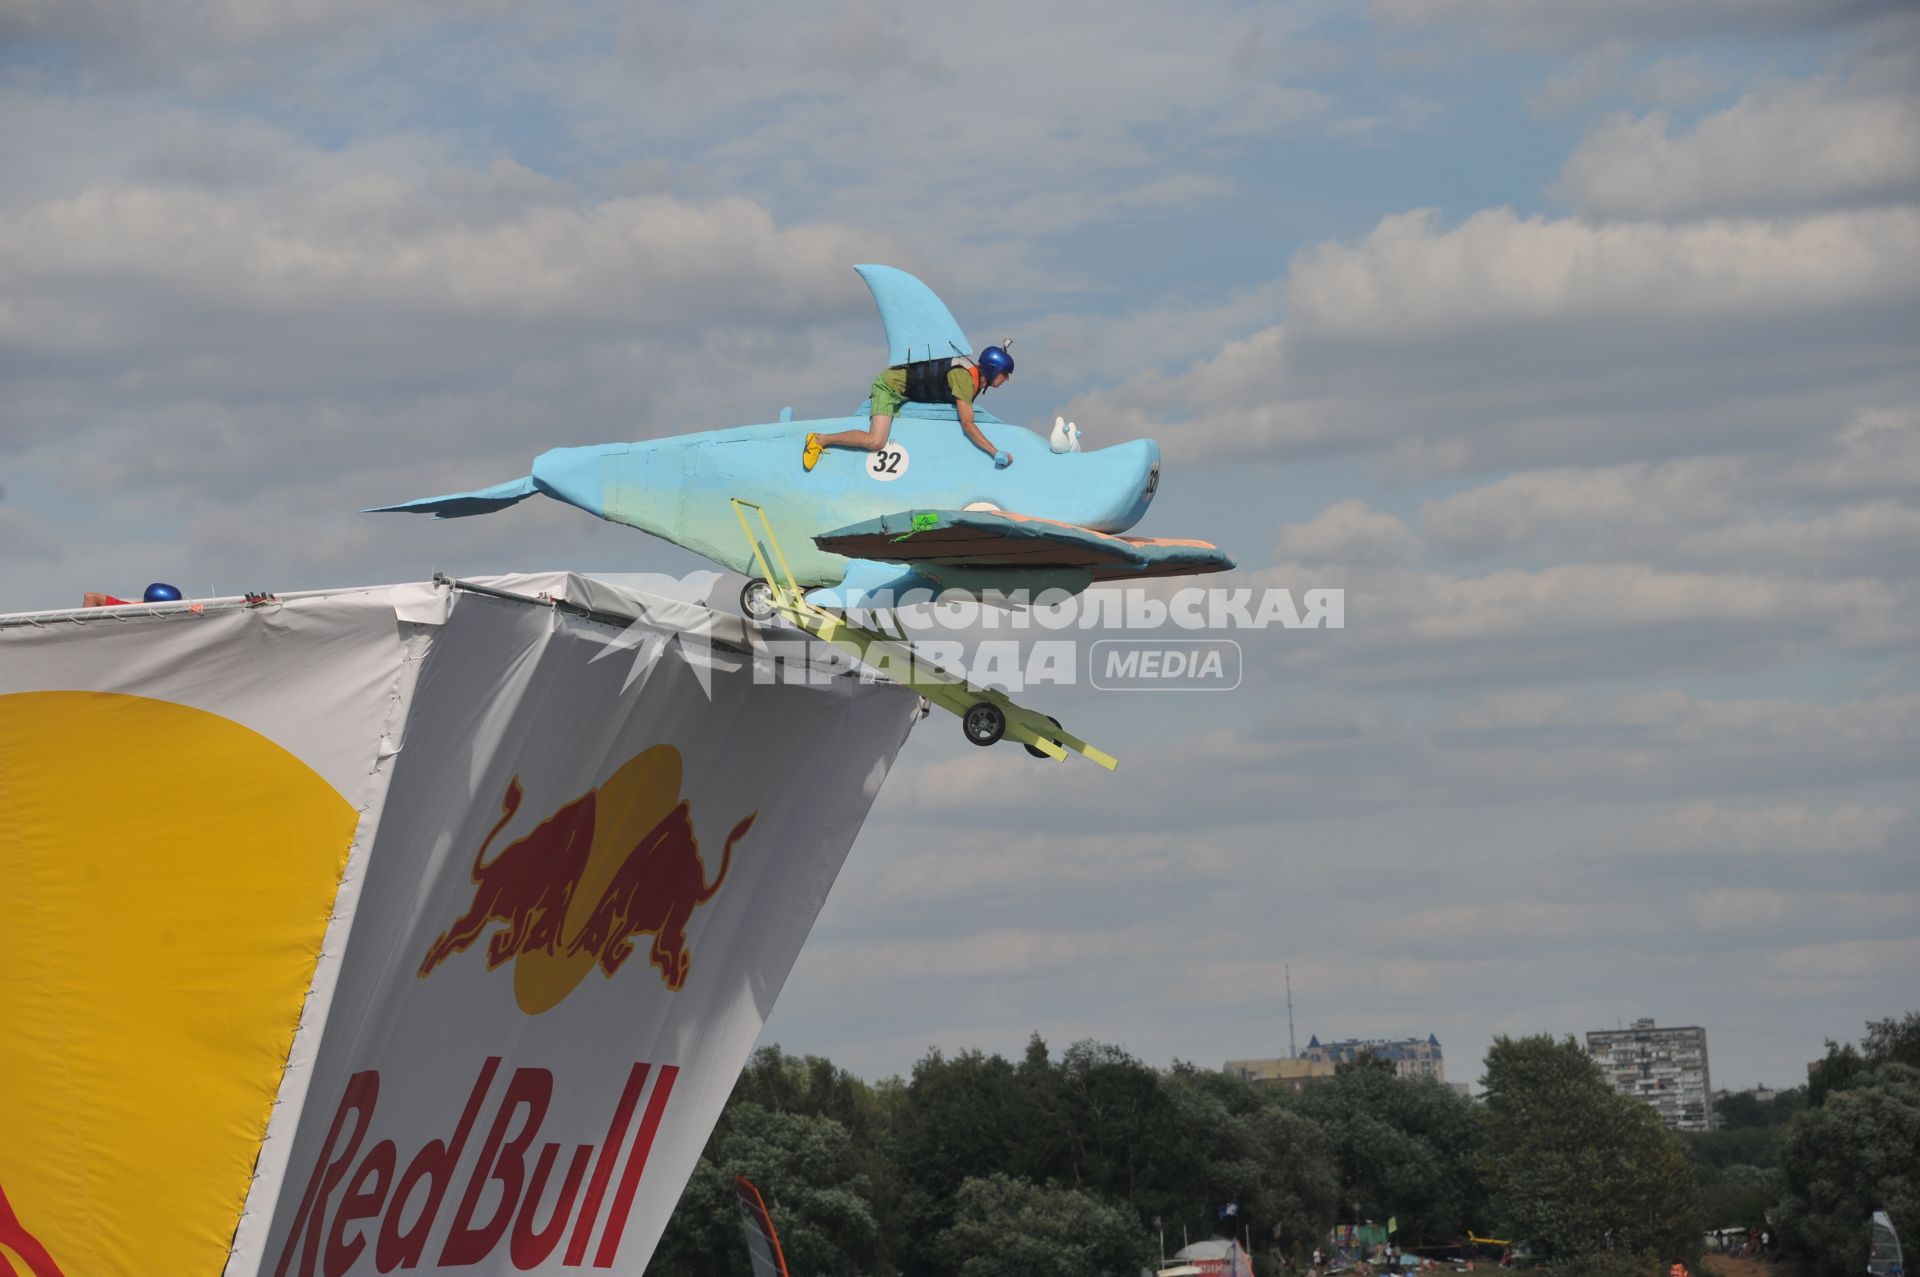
(459, 505)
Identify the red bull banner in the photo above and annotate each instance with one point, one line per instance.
(410, 929)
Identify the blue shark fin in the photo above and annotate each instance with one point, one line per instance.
(919, 325)
(458, 505)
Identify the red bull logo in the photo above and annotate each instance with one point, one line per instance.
(370, 1204)
(617, 862)
(15, 1238)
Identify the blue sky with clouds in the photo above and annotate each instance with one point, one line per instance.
(1577, 341)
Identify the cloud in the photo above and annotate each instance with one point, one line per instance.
(1529, 341)
(1310, 776)
(103, 24)
(1677, 81)
(250, 366)
(1658, 742)
(1600, 72)
(1572, 620)
(1605, 511)
(1841, 965)
(280, 329)
(1576, 23)
(1065, 122)
(1015, 865)
(1879, 451)
(968, 958)
(25, 536)
(1413, 278)
(1842, 505)
(1347, 532)
(1782, 149)
(1709, 827)
(374, 247)
(207, 47)
(1874, 539)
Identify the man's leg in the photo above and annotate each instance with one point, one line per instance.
(873, 438)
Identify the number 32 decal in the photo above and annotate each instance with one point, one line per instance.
(887, 464)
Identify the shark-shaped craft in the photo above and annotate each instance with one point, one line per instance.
(928, 512)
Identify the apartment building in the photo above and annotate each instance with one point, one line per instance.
(1666, 1068)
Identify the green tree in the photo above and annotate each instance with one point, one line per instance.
(1403, 1147)
(814, 1086)
(1739, 1112)
(1745, 1146)
(963, 1118)
(1576, 1169)
(1739, 1195)
(970, 1116)
(1005, 1227)
(1839, 1069)
(1116, 1119)
(1746, 1112)
(807, 1170)
(1892, 1041)
(1853, 1155)
(1227, 1141)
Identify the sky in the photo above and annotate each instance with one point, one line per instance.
(1577, 341)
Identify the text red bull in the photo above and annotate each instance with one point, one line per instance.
(354, 1204)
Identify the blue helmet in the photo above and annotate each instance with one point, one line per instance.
(161, 592)
(994, 361)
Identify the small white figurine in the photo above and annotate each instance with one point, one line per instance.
(1065, 436)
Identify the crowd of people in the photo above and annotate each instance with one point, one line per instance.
(1753, 1243)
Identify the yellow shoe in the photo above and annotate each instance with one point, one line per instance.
(811, 453)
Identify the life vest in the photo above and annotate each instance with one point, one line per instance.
(927, 380)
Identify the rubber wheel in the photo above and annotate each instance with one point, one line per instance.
(756, 600)
(1042, 753)
(984, 724)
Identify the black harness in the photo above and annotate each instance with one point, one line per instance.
(927, 380)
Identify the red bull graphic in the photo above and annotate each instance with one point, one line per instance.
(15, 1238)
(617, 862)
(359, 1205)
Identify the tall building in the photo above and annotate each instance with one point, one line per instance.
(1666, 1068)
(1411, 1057)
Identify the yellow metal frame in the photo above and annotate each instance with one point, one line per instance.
(953, 694)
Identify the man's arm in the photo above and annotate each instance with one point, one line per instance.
(978, 440)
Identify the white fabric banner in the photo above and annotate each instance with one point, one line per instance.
(582, 847)
(590, 879)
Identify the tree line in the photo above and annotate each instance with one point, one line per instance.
(1812, 1163)
(980, 1166)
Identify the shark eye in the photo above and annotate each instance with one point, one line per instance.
(1153, 481)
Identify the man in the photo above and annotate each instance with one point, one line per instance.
(158, 592)
(952, 381)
